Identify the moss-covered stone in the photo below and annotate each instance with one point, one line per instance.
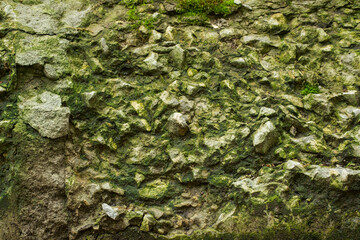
(155, 190)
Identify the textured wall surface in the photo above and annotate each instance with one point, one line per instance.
(133, 120)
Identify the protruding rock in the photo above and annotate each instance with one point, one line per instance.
(154, 190)
(169, 99)
(89, 98)
(111, 212)
(155, 36)
(277, 22)
(134, 217)
(265, 137)
(104, 45)
(311, 144)
(238, 62)
(267, 112)
(50, 72)
(170, 33)
(151, 63)
(229, 33)
(147, 223)
(177, 124)
(45, 114)
(296, 101)
(177, 56)
(293, 166)
(322, 35)
(318, 103)
(176, 156)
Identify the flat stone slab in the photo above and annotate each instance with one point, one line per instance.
(45, 114)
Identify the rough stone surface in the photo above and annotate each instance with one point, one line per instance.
(137, 120)
(265, 137)
(45, 114)
(112, 212)
(177, 124)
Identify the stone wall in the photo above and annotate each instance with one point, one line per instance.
(122, 120)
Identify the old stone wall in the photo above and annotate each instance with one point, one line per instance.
(136, 120)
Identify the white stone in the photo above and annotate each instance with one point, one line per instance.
(265, 137)
(112, 212)
(45, 114)
(267, 112)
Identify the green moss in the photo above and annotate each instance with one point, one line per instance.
(195, 18)
(310, 88)
(138, 19)
(8, 73)
(220, 181)
(155, 190)
(207, 7)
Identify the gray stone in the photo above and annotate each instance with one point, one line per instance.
(342, 175)
(176, 156)
(45, 114)
(177, 124)
(211, 37)
(29, 58)
(248, 39)
(151, 63)
(170, 33)
(267, 112)
(169, 99)
(50, 72)
(229, 33)
(310, 144)
(185, 105)
(154, 37)
(265, 137)
(293, 166)
(318, 103)
(36, 19)
(38, 50)
(355, 150)
(74, 18)
(220, 142)
(238, 62)
(104, 45)
(277, 22)
(111, 212)
(177, 55)
(296, 101)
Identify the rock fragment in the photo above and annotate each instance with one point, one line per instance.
(110, 211)
(265, 137)
(177, 124)
(45, 114)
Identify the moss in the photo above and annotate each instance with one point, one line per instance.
(310, 88)
(155, 190)
(8, 72)
(137, 19)
(220, 181)
(207, 7)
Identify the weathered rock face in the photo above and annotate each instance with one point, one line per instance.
(121, 120)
